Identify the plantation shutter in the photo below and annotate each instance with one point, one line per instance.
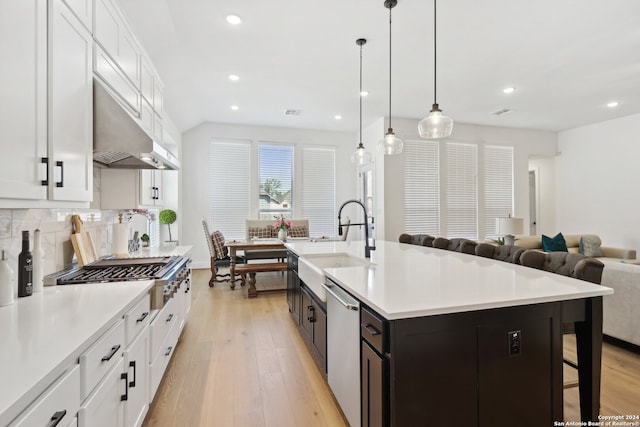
(319, 190)
(498, 186)
(229, 174)
(461, 194)
(422, 187)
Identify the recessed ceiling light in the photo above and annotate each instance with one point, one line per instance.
(235, 107)
(337, 117)
(509, 89)
(234, 78)
(234, 19)
(364, 93)
(613, 104)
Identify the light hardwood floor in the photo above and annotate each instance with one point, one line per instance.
(241, 362)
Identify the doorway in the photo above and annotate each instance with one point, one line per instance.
(533, 196)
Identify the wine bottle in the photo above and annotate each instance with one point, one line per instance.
(25, 268)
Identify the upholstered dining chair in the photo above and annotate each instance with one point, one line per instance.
(219, 256)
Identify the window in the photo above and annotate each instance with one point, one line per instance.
(229, 187)
(456, 189)
(319, 190)
(296, 181)
(275, 176)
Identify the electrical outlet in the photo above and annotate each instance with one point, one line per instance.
(515, 340)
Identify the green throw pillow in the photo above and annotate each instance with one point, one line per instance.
(554, 244)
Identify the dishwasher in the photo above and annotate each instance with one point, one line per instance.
(343, 350)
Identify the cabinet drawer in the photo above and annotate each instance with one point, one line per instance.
(61, 401)
(373, 330)
(161, 326)
(102, 355)
(161, 360)
(104, 407)
(137, 319)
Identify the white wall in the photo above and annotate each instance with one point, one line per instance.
(526, 143)
(544, 169)
(195, 172)
(597, 176)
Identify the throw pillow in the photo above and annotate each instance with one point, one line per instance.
(218, 244)
(590, 245)
(260, 232)
(554, 244)
(298, 231)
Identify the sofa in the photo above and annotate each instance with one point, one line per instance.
(573, 246)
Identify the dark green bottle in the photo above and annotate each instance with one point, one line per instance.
(25, 268)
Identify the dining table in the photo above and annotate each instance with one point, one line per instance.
(255, 244)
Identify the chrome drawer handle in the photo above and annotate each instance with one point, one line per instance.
(113, 351)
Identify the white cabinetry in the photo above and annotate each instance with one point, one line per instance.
(70, 106)
(103, 408)
(57, 406)
(128, 188)
(136, 363)
(23, 103)
(46, 104)
(83, 9)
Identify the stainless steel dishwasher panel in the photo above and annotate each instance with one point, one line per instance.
(343, 350)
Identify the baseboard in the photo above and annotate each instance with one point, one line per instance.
(621, 343)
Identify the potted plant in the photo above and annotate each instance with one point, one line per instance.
(145, 240)
(168, 217)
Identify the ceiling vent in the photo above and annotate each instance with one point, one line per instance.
(292, 112)
(501, 112)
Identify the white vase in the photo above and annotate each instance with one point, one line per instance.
(282, 234)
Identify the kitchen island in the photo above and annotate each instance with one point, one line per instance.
(464, 339)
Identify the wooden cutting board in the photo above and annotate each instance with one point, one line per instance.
(82, 243)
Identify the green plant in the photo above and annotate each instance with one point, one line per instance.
(144, 237)
(168, 216)
(499, 241)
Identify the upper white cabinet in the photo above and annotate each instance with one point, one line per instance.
(129, 188)
(70, 106)
(83, 9)
(112, 33)
(151, 187)
(23, 100)
(46, 104)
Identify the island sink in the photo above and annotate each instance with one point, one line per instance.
(310, 269)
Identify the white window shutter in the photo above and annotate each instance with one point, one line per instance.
(422, 187)
(461, 190)
(498, 186)
(229, 173)
(319, 190)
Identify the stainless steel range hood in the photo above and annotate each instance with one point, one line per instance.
(119, 141)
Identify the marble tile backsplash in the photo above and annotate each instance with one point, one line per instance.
(55, 231)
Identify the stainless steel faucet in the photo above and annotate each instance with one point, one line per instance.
(367, 248)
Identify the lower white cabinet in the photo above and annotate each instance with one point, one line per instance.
(57, 406)
(136, 364)
(104, 408)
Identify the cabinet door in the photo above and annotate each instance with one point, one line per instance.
(70, 106)
(104, 408)
(373, 390)
(151, 187)
(83, 9)
(146, 80)
(136, 363)
(306, 318)
(23, 99)
(319, 339)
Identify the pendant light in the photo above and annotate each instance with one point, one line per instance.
(435, 125)
(390, 144)
(360, 156)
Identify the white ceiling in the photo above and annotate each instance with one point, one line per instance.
(567, 59)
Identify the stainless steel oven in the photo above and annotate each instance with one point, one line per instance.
(168, 272)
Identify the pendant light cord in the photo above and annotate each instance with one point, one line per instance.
(435, 63)
(390, 68)
(360, 94)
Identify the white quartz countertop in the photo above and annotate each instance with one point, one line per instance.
(40, 334)
(406, 281)
(162, 251)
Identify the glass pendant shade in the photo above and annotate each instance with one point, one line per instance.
(390, 144)
(435, 125)
(361, 156)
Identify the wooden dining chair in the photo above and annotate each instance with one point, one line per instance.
(219, 256)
